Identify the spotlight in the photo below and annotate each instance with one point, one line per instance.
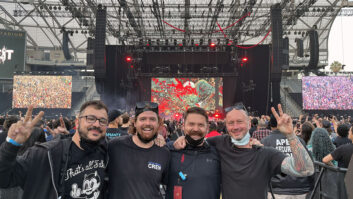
(128, 59)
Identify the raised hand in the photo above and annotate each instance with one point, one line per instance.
(21, 130)
(284, 121)
(60, 129)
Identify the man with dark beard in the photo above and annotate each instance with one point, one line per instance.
(66, 167)
(137, 166)
(194, 172)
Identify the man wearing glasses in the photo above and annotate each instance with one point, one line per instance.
(66, 167)
(137, 166)
(246, 169)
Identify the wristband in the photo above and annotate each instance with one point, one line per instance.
(13, 142)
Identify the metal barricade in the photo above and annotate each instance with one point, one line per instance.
(329, 183)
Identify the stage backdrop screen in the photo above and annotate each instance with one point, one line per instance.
(175, 95)
(12, 52)
(327, 93)
(42, 91)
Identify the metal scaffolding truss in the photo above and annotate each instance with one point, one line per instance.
(132, 22)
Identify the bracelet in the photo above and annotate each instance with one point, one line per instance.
(13, 142)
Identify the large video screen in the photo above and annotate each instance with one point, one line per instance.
(175, 95)
(327, 93)
(12, 52)
(42, 91)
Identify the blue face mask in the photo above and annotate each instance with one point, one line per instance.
(244, 141)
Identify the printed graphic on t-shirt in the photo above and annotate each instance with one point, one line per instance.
(283, 146)
(90, 187)
(84, 181)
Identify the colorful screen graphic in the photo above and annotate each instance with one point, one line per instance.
(327, 93)
(175, 95)
(42, 91)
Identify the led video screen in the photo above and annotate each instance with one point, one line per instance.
(327, 93)
(175, 95)
(12, 52)
(42, 91)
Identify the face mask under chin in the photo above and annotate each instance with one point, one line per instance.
(192, 142)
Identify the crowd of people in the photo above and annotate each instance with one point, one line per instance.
(43, 91)
(323, 93)
(111, 154)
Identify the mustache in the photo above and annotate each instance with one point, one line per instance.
(198, 133)
(96, 128)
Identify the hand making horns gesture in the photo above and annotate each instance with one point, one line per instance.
(21, 130)
(284, 121)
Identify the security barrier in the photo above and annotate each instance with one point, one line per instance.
(329, 182)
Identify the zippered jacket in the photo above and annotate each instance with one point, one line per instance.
(38, 170)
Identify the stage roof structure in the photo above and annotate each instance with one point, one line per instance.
(134, 22)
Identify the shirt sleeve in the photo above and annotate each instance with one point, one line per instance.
(275, 160)
(337, 153)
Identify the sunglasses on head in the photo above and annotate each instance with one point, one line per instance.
(236, 106)
(146, 104)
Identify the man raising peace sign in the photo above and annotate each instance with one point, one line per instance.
(66, 167)
(246, 170)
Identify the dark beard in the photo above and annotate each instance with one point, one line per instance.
(87, 144)
(146, 140)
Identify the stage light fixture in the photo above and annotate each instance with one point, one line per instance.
(212, 45)
(128, 59)
(244, 59)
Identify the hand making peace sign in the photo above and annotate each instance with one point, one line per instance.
(284, 121)
(21, 130)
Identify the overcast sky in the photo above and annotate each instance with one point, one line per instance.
(340, 43)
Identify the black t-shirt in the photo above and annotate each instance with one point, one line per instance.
(343, 155)
(134, 172)
(246, 172)
(123, 131)
(115, 132)
(341, 141)
(85, 174)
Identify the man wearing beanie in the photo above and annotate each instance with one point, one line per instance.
(137, 166)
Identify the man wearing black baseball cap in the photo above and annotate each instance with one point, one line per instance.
(137, 166)
(114, 118)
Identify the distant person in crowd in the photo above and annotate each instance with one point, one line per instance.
(123, 129)
(213, 130)
(306, 130)
(342, 154)
(327, 125)
(221, 128)
(261, 131)
(320, 144)
(114, 123)
(70, 166)
(137, 166)
(254, 123)
(342, 138)
(246, 169)
(286, 186)
(194, 172)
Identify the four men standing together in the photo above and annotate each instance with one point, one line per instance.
(86, 166)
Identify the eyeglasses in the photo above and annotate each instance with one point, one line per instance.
(146, 104)
(236, 106)
(92, 119)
